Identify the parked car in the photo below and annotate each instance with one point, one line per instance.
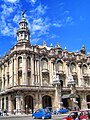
(55, 112)
(63, 110)
(71, 115)
(84, 114)
(42, 114)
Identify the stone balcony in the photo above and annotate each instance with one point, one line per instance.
(60, 72)
(45, 71)
(29, 68)
(27, 88)
(74, 74)
(85, 75)
(20, 68)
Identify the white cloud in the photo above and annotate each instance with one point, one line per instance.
(7, 27)
(38, 22)
(7, 10)
(33, 1)
(69, 20)
(11, 1)
(39, 10)
(57, 24)
(81, 18)
(16, 18)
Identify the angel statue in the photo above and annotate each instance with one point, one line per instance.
(23, 13)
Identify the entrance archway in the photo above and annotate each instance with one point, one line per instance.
(46, 101)
(29, 104)
(65, 102)
(88, 101)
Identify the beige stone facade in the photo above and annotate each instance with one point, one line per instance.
(40, 76)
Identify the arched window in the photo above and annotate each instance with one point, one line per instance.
(73, 67)
(20, 62)
(84, 69)
(59, 66)
(44, 64)
(28, 68)
(45, 79)
(28, 62)
(19, 70)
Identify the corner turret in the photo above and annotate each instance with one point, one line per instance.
(23, 33)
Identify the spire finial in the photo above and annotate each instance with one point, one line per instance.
(23, 13)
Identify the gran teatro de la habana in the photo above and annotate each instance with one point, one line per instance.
(35, 76)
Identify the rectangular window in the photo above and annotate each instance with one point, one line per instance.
(2, 103)
(7, 103)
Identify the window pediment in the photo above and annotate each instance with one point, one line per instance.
(43, 50)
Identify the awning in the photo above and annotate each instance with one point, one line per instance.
(69, 96)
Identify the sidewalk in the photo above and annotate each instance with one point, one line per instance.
(16, 116)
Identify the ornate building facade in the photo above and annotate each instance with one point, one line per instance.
(40, 76)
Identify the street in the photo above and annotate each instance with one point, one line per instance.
(29, 117)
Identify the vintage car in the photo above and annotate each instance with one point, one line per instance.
(42, 114)
(71, 115)
(63, 110)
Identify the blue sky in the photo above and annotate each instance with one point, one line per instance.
(66, 22)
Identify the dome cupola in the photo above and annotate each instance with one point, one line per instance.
(23, 33)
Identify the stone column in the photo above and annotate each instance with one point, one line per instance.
(35, 74)
(40, 100)
(10, 72)
(15, 70)
(18, 104)
(36, 100)
(50, 71)
(38, 77)
(24, 70)
(0, 102)
(32, 69)
(40, 71)
(22, 105)
(9, 104)
(79, 75)
(6, 75)
(83, 102)
(57, 98)
(67, 72)
(2, 88)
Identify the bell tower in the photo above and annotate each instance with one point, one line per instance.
(23, 33)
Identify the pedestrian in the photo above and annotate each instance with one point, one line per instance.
(77, 116)
(14, 111)
(88, 116)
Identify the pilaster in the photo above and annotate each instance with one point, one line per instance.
(10, 71)
(9, 104)
(83, 102)
(18, 104)
(32, 69)
(24, 70)
(15, 70)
